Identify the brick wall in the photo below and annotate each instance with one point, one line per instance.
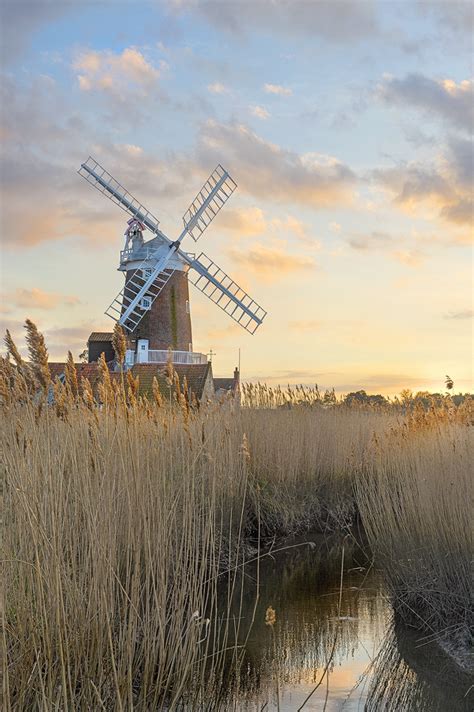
(168, 323)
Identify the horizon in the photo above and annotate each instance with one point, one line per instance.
(348, 134)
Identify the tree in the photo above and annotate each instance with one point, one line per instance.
(362, 398)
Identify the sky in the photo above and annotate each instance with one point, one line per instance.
(347, 127)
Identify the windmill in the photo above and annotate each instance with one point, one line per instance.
(154, 301)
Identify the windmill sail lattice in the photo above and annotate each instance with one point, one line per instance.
(151, 275)
(212, 281)
(211, 198)
(125, 308)
(105, 183)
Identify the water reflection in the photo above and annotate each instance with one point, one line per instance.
(410, 673)
(371, 663)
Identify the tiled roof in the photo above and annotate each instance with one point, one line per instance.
(226, 384)
(83, 370)
(196, 375)
(56, 369)
(101, 336)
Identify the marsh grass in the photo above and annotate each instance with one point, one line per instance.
(123, 527)
(128, 523)
(414, 496)
(114, 536)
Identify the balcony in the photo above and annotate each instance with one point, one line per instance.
(154, 356)
(142, 253)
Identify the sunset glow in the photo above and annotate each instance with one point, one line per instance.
(347, 127)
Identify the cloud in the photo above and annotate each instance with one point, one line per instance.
(245, 221)
(38, 299)
(267, 171)
(115, 73)
(341, 22)
(271, 263)
(277, 89)
(20, 20)
(444, 186)
(260, 112)
(130, 149)
(411, 257)
(384, 242)
(44, 136)
(454, 20)
(59, 340)
(43, 146)
(290, 225)
(386, 383)
(217, 88)
(374, 240)
(463, 314)
(444, 98)
(54, 211)
(248, 222)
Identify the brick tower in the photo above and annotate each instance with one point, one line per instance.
(166, 320)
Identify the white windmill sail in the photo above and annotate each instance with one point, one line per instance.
(213, 195)
(151, 276)
(97, 176)
(129, 307)
(212, 281)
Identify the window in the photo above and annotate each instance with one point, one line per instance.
(145, 303)
(147, 272)
(187, 307)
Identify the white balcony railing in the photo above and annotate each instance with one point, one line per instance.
(176, 357)
(143, 253)
(162, 356)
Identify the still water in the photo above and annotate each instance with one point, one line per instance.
(373, 663)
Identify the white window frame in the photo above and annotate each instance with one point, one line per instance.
(146, 272)
(145, 303)
(188, 310)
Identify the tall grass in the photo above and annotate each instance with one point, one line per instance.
(414, 495)
(115, 531)
(127, 524)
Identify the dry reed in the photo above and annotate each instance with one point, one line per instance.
(128, 521)
(414, 495)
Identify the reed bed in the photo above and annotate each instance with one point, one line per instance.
(116, 529)
(414, 495)
(128, 523)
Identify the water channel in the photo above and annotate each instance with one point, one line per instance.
(373, 662)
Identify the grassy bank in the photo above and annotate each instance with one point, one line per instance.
(126, 525)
